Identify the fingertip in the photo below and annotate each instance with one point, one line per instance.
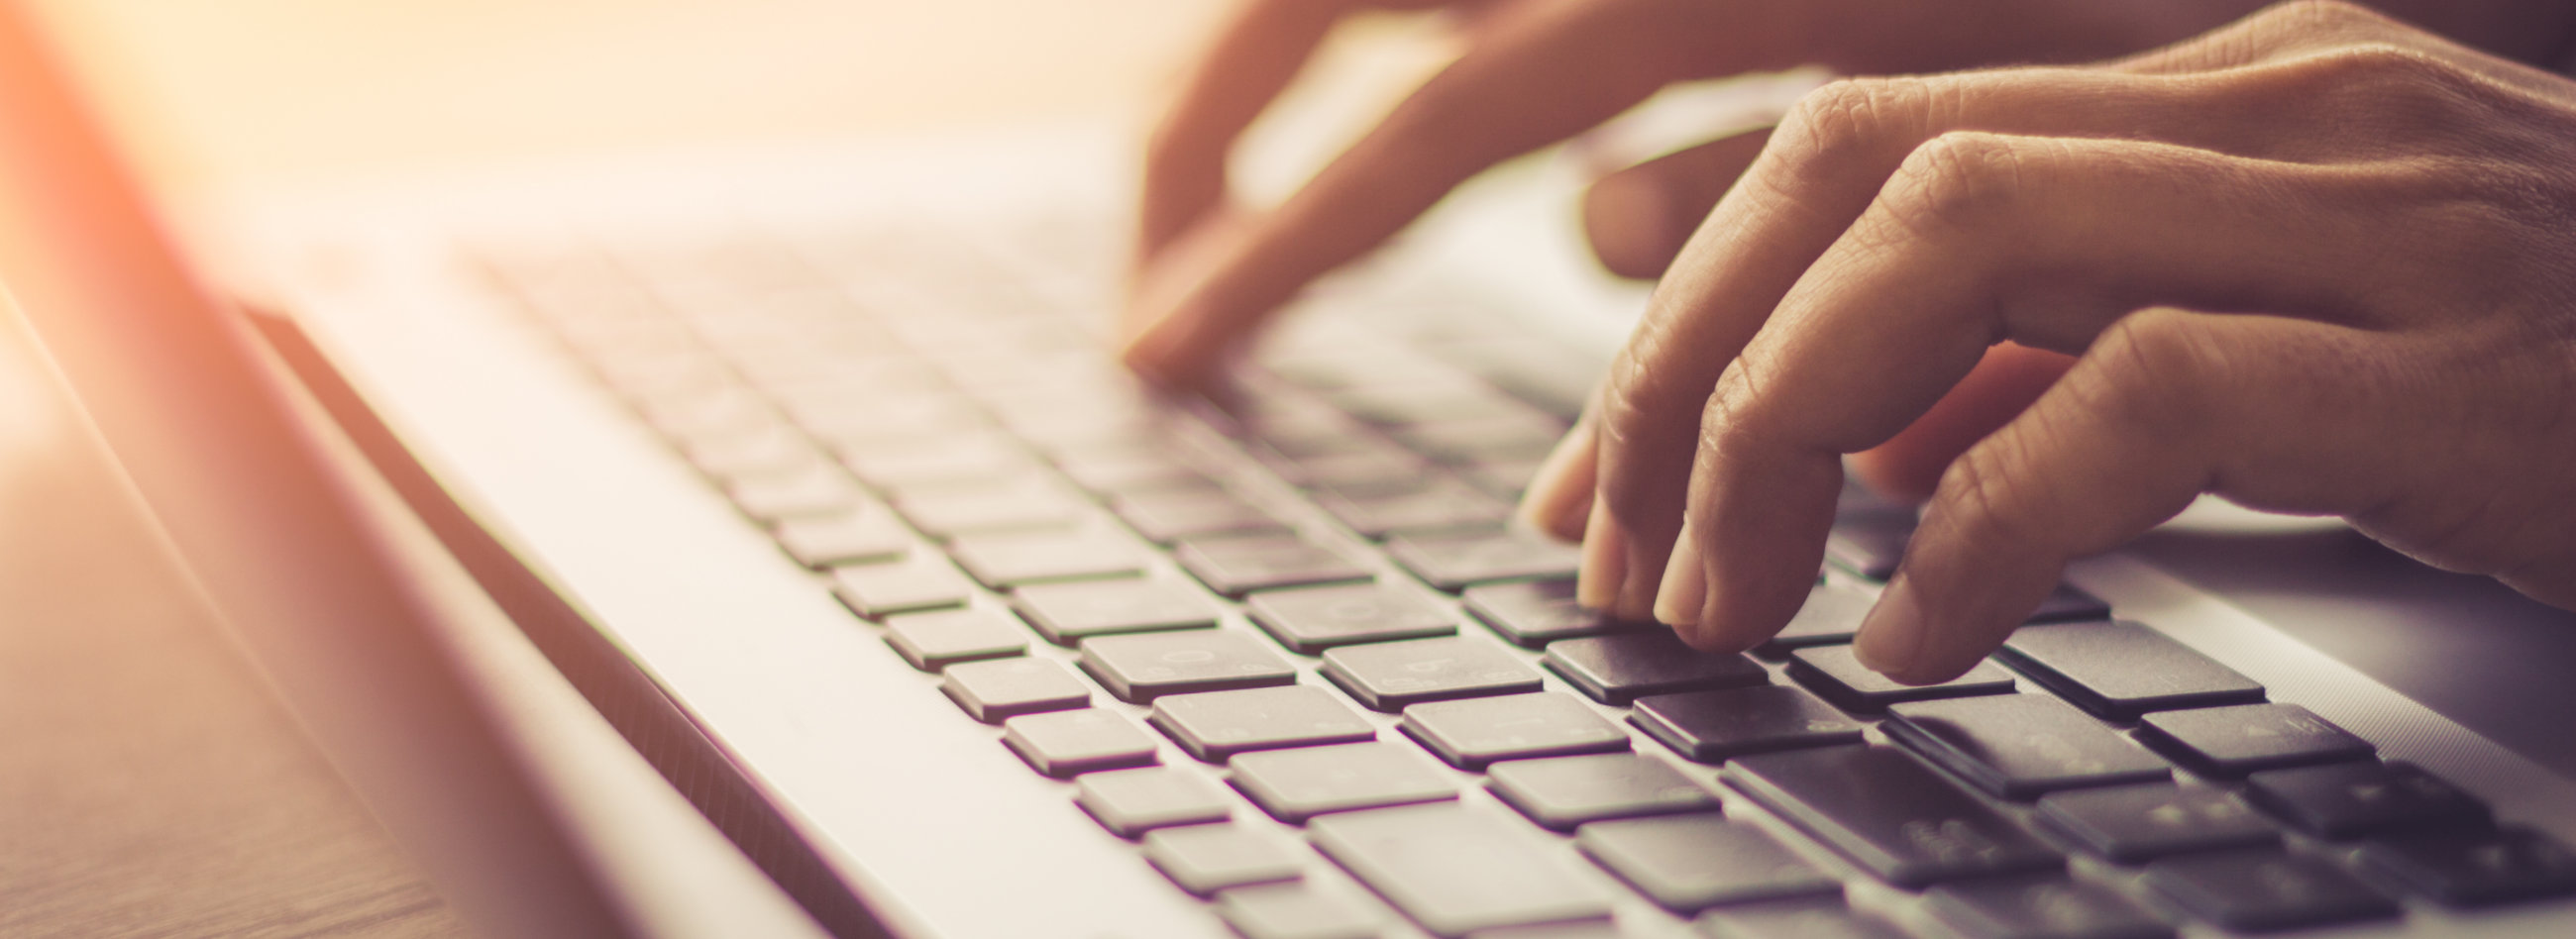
(1891, 635)
(1684, 591)
(1605, 561)
(1628, 223)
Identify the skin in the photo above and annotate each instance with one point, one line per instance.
(2315, 261)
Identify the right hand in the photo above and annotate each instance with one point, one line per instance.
(1535, 72)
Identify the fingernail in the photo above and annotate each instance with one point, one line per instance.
(1891, 636)
(1558, 492)
(1685, 587)
(1605, 560)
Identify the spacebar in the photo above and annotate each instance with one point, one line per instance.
(1456, 870)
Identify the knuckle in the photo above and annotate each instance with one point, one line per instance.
(2156, 373)
(2329, 17)
(1846, 122)
(1956, 180)
(1979, 492)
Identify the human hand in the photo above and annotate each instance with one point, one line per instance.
(2316, 262)
(1535, 71)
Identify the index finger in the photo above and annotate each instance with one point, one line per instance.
(1542, 71)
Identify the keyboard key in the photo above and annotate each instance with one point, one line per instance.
(997, 689)
(2263, 889)
(1069, 613)
(866, 535)
(1312, 619)
(1120, 468)
(1204, 859)
(1294, 911)
(923, 582)
(1361, 473)
(1474, 732)
(2122, 670)
(1295, 785)
(1063, 743)
(1236, 566)
(1455, 870)
(771, 448)
(2066, 604)
(1535, 614)
(2474, 867)
(2229, 742)
(1871, 550)
(1616, 669)
(946, 512)
(1831, 615)
(1713, 726)
(941, 458)
(1215, 725)
(2135, 824)
(1810, 918)
(1006, 560)
(1387, 676)
(816, 489)
(1456, 562)
(2043, 907)
(1692, 862)
(1832, 672)
(1891, 815)
(2020, 746)
(2348, 799)
(1166, 517)
(1562, 792)
(931, 641)
(1141, 667)
(1442, 505)
(1131, 802)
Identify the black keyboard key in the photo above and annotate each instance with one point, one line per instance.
(1166, 517)
(1069, 613)
(2345, 800)
(1295, 785)
(1295, 911)
(947, 511)
(2043, 907)
(1891, 815)
(1537, 613)
(2229, 742)
(921, 582)
(1144, 666)
(1442, 505)
(2263, 889)
(1455, 870)
(2122, 670)
(1809, 918)
(1237, 566)
(1474, 732)
(1871, 550)
(1204, 859)
(1689, 863)
(1219, 724)
(931, 641)
(2135, 824)
(866, 535)
(1566, 791)
(2068, 604)
(1713, 726)
(1387, 676)
(1831, 615)
(1063, 743)
(1833, 673)
(1006, 560)
(2021, 746)
(1457, 561)
(1312, 619)
(1616, 669)
(1131, 802)
(997, 689)
(2470, 868)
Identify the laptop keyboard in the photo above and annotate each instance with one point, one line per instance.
(1295, 630)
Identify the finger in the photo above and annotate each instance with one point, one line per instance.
(2008, 379)
(1255, 55)
(1637, 218)
(1567, 476)
(2043, 241)
(2282, 413)
(1540, 72)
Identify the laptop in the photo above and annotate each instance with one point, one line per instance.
(812, 473)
